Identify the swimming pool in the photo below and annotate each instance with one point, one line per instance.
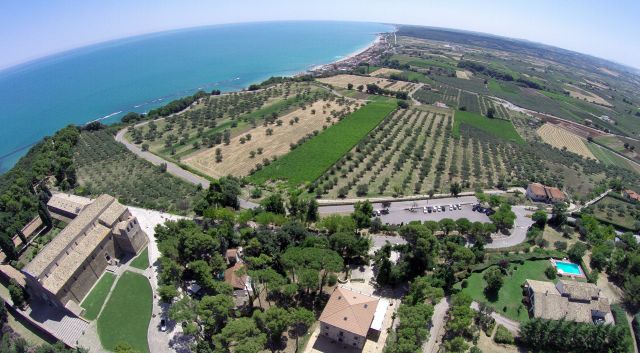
(568, 268)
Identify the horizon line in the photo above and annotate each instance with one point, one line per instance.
(31, 60)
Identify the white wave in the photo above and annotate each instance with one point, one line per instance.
(107, 116)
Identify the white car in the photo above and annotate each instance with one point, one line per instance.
(459, 206)
(450, 207)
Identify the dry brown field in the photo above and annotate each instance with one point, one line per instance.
(560, 138)
(385, 72)
(579, 93)
(597, 84)
(355, 80)
(236, 157)
(464, 74)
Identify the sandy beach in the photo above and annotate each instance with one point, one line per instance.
(354, 54)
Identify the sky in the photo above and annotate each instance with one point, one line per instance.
(34, 28)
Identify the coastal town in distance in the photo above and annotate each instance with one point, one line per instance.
(410, 189)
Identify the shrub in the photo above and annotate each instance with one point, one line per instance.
(560, 245)
(576, 252)
(167, 293)
(503, 335)
(550, 272)
(17, 294)
(332, 279)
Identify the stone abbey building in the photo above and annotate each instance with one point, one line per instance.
(99, 233)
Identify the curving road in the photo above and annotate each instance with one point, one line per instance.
(172, 168)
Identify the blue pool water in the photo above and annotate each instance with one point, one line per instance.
(107, 80)
(569, 267)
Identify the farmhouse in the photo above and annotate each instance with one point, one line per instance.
(236, 276)
(97, 235)
(570, 300)
(349, 317)
(631, 195)
(542, 193)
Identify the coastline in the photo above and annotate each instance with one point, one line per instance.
(124, 101)
(348, 57)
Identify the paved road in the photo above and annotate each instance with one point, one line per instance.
(511, 325)
(172, 168)
(518, 233)
(437, 327)
(592, 201)
(398, 214)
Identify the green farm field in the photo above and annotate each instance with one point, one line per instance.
(307, 162)
(497, 127)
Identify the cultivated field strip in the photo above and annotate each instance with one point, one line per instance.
(561, 138)
(414, 152)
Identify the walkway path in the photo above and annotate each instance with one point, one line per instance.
(511, 325)
(437, 331)
(172, 168)
(158, 341)
(592, 201)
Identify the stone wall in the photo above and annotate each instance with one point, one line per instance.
(90, 271)
(342, 337)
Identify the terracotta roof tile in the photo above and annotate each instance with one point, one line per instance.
(350, 311)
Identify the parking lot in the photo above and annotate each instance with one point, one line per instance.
(399, 212)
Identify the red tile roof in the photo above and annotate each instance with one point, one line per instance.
(231, 276)
(350, 311)
(632, 194)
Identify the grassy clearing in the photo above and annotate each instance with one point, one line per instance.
(92, 303)
(126, 315)
(509, 300)
(142, 261)
(307, 162)
(498, 87)
(497, 127)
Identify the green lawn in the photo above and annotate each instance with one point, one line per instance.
(126, 315)
(509, 301)
(417, 76)
(607, 157)
(307, 162)
(142, 261)
(92, 303)
(499, 87)
(497, 127)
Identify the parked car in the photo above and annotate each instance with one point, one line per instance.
(384, 211)
(450, 207)
(163, 325)
(489, 212)
(376, 213)
(459, 206)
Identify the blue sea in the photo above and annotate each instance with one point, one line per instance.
(107, 80)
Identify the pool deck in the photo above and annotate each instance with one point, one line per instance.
(568, 274)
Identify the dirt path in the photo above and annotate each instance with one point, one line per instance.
(437, 327)
(511, 325)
